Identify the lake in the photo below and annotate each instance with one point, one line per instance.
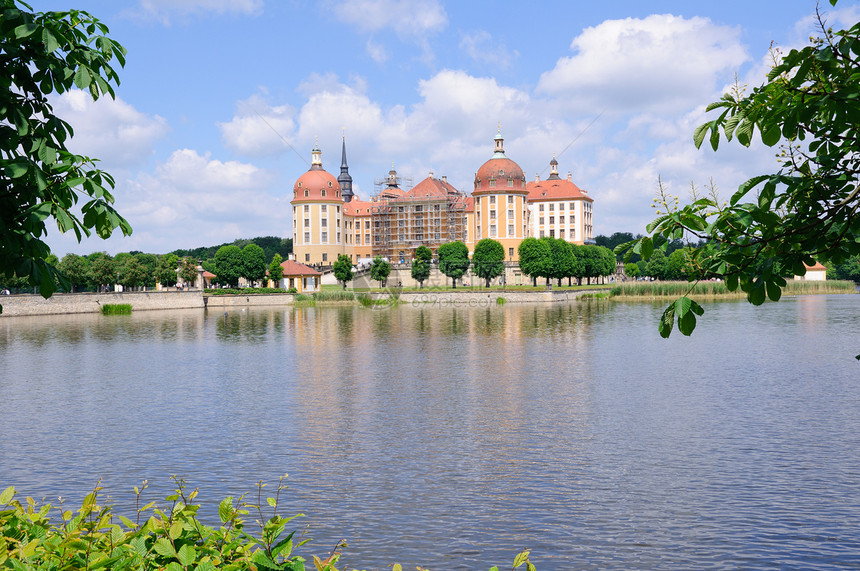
(453, 437)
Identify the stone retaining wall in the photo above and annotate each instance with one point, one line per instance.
(250, 300)
(475, 297)
(67, 303)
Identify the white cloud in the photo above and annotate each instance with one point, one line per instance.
(165, 11)
(481, 47)
(407, 18)
(258, 128)
(662, 63)
(377, 52)
(109, 129)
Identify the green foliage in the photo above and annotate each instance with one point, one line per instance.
(271, 245)
(149, 263)
(165, 270)
(333, 295)
(188, 271)
(657, 266)
(74, 267)
(228, 264)
(343, 269)
(535, 258)
(632, 269)
(379, 270)
(421, 265)
(276, 270)
(563, 262)
(44, 53)
(453, 260)
(705, 289)
(777, 223)
(130, 272)
(488, 259)
(848, 270)
(101, 270)
(253, 263)
(116, 309)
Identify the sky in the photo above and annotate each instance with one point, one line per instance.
(221, 101)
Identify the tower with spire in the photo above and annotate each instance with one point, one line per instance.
(344, 179)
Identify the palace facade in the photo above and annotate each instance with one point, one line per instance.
(329, 219)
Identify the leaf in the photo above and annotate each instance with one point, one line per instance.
(699, 134)
(771, 135)
(175, 530)
(647, 248)
(225, 509)
(187, 554)
(774, 292)
(521, 558)
(756, 295)
(17, 169)
(164, 548)
(667, 321)
(7, 495)
(24, 30)
(271, 502)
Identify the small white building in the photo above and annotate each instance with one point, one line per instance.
(816, 273)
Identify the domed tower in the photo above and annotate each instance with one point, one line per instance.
(500, 200)
(317, 215)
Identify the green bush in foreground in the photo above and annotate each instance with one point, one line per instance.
(169, 538)
(244, 290)
(116, 309)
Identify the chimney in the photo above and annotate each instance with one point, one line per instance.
(537, 177)
(431, 174)
(569, 176)
(444, 178)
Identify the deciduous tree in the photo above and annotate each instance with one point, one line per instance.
(777, 223)
(379, 270)
(535, 258)
(343, 269)
(45, 53)
(74, 267)
(453, 260)
(488, 259)
(228, 264)
(276, 270)
(421, 265)
(253, 263)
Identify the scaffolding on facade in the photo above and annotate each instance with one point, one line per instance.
(401, 225)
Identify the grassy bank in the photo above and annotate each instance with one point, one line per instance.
(116, 309)
(658, 289)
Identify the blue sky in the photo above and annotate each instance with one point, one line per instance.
(221, 101)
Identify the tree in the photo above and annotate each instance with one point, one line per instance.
(631, 269)
(657, 266)
(45, 53)
(150, 263)
(101, 270)
(129, 272)
(188, 271)
(488, 259)
(421, 265)
(165, 271)
(276, 270)
(228, 264)
(453, 260)
(535, 258)
(379, 270)
(253, 263)
(74, 267)
(807, 210)
(562, 260)
(343, 269)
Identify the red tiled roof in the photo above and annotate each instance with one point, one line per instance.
(357, 208)
(500, 169)
(561, 189)
(315, 181)
(209, 275)
(470, 204)
(430, 187)
(816, 268)
(293, 268)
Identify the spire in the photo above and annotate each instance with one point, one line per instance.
(316, 157)
(553, 169)
(344, 178)
(500, 144)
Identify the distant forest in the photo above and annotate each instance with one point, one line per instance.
(271, 245)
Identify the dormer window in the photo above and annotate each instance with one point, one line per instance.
(329, 184)
(323, 193)
(306, 192)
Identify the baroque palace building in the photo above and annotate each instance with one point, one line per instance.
(329, 219)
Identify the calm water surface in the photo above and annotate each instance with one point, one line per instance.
(453, 437)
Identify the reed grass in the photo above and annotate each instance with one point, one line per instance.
(718, 289)
(334, 295)
(116, 309)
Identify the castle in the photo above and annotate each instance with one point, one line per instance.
(329, 219)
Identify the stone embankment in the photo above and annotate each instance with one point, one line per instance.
(68, 303)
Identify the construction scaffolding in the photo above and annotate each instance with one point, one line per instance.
(400, 225)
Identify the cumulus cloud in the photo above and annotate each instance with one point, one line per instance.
(406, 18)
(481, 47)
(659, 63)
(166, 11)
(258, 128)
(109, 129)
